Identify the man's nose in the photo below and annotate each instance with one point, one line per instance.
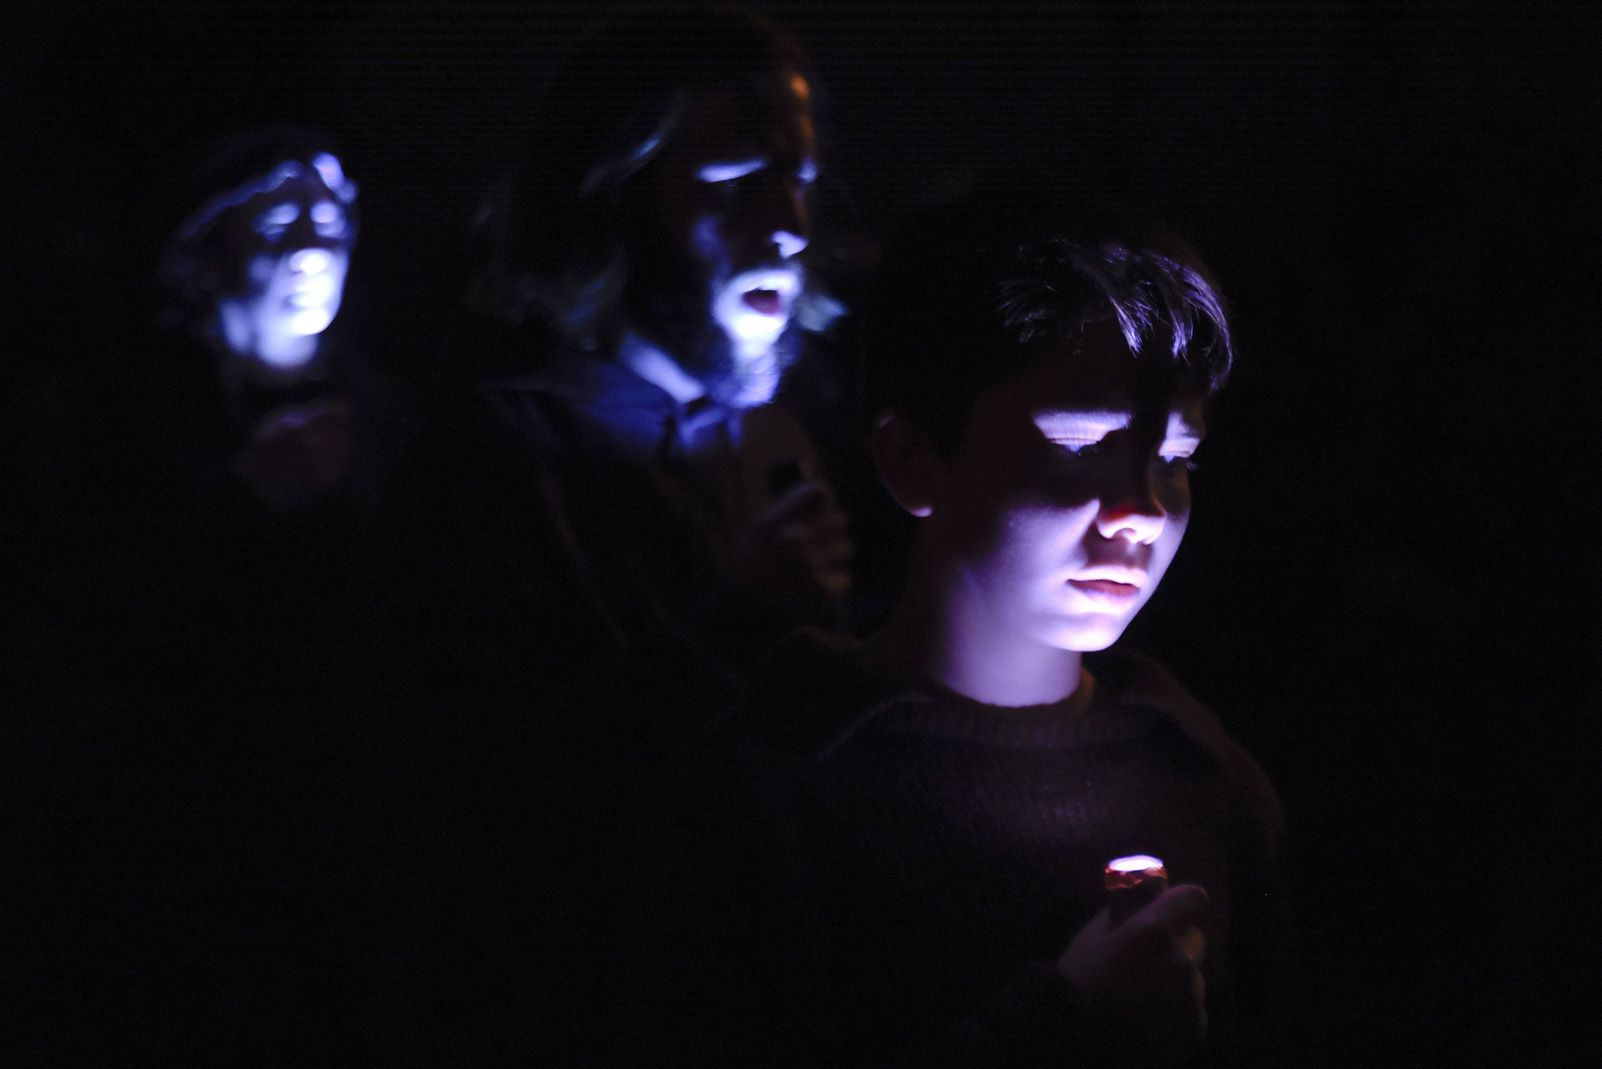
(311, 261)
(785, 217)
(789, 242)
(305, 236)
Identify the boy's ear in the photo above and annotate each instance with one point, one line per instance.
(906, 461)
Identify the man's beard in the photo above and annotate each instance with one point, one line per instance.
(682, 327)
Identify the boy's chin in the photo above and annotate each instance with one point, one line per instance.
(1089, 636)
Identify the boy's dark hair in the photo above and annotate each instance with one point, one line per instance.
(556, 235)
(972, 291)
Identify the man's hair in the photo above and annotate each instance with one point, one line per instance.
(972, 291)
(557, 233)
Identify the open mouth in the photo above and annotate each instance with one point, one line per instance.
(764, 301)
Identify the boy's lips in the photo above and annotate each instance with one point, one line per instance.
(1123, 574)
(1105, 589)
(1114, 583)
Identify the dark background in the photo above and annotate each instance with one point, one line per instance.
(1388, 591)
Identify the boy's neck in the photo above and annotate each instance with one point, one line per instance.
(933, 636)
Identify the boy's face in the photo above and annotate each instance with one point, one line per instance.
(1069, 495)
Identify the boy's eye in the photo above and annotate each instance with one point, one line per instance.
(1079, 449)
(1177, 465)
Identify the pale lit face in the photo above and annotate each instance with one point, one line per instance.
(717, 272)
(1069, 496)
(285, 254)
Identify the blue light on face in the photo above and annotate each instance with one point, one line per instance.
(328, 171)
(330, 221)
(275, 221)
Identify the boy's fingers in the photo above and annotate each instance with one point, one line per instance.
(1193, 944)
(1176, 909)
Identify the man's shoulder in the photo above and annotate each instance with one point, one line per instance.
(524, 419)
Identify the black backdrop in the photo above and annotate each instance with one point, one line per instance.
(1388, 587)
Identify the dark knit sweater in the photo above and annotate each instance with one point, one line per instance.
(893, 870)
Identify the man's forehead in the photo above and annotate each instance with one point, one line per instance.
(766, 116)
(303, 185)
(293, 179)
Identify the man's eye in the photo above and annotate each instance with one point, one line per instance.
(1177, 465)
(275, 222)
(328, 221)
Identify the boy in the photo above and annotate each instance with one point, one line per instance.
(910, 856)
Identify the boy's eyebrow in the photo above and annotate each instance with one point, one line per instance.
(1080, 421)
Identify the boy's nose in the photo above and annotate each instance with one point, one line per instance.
(1139, 526)
(1133, 513)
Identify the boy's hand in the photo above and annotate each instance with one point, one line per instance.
(1144, 975)
(797, 550)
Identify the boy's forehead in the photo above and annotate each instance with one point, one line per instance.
(1094, 379)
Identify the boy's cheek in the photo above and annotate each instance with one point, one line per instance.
(1175, 499)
